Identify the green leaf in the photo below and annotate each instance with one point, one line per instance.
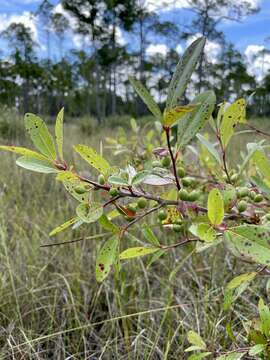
(107, 224)
(89, 213)
(256, 349)
(233, 115)
(249, 242)
(139, 177)
(146, 97)
(236, 287)
(40, 135)
(231, 356)
(195, 339)
(137, 252)
(117, 180)
(203, 231)
(199, 356)
(59, 133)
(44, 166)
(106, 258)
(262, 162)
(265, 317)
(64, 226)
(193, 122)
(93, 158)
(215, 207)
(210, 147)
(149, 235)
(183, 72)
(23, 151)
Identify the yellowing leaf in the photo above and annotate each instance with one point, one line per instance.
(106, 258)
(59, 133)
(195, 339)
(262, 162)
(215, 207)
(137, 252)
(40, 135)
(89, 212)
(63, 226)
(171, 116)
(76, 187)
(234, 114)
(93, 158)
(23, 151)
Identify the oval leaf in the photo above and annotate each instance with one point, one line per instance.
(59, 133)
(137, 252)
(44, 166)
(215, 207)
(23, 151)
(106, 258)
(89, 212)
(40, 135)
(93, 158)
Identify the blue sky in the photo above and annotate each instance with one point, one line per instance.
(249, 36)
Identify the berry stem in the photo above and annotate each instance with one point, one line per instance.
(167, 131)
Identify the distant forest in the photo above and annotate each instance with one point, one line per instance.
(93, 80)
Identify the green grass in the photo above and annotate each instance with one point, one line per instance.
(51, 306)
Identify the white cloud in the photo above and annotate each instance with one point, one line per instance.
(165, 5)
(25, 18)
(179, 49)
(258, 60)
(161, 49)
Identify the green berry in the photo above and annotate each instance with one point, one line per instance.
(258, 198)
(142, 203)
(243, 192)
(183, 195)
(234, 178)
(132, 208)
(242, 206)
(181, 172)
(166, 162)
(113, 192)
(179, 221)
(156, 163)
(252, 194)
(162, 215)
(79, 189)
(187, 181)
(101, 179)
(194, 195)
(129, 219)
(177, 228)
(267, 216)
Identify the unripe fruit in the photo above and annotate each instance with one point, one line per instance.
(101, 179)
(113, 192)
(242, 206)
(142, 203)
(181, 172)
(132, 208)
(166, 162)
(267, 216)
(129, 219)
(186, 181)
(80, 189)
(162, 215)
(234, 178)
(252, 194)
(179, 222)
(194, 195)
(177, 228)
(183, 195)
(258, 198)
(156, 163)
(243, 192)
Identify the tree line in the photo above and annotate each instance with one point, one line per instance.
(93, 80)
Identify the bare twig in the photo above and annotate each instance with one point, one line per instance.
(167, 131)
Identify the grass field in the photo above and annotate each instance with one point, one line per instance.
(51, 306)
